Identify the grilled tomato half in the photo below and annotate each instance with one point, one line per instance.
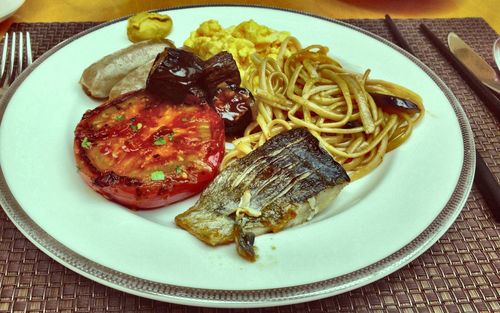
(145, 153)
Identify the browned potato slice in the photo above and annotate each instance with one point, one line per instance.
(134, 80)
(98, 79)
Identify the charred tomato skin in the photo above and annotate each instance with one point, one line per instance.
(139, 192)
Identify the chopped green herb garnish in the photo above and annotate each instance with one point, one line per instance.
(157, 175)
(120, 117)
(171, 136)
(86, 144)
(135, 127)
(160, 141)
(178, 169)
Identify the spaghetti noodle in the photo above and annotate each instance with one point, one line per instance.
(310, 89)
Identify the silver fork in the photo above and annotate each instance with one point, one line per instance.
(16, 56)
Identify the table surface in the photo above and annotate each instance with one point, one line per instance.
(98, 10)
(460, 273)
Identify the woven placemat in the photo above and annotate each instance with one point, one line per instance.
(460, 273)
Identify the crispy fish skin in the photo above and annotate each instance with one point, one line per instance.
(283, 183)
(98, 79)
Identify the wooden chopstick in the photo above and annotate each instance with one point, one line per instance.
(486, 95)
(483, 178)
(488, 186)
(400, 40)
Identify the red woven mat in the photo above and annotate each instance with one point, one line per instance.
(460, 273)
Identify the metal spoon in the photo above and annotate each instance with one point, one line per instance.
(496, 52)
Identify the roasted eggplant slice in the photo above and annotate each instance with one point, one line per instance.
(393, 104)
(221, 68)
(173, 74)
(234, 104)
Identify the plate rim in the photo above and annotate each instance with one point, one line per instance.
(250, 297)
(6, 14)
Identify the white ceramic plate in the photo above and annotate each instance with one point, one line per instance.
(8, 7)
(376, 225)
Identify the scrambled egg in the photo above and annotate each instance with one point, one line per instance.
(241, 41)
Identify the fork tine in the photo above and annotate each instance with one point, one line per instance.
(28, 49)
(20, 54)
(3, 60)
(12, 57)
(13, 63)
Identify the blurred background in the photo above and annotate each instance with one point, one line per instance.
(98, 10)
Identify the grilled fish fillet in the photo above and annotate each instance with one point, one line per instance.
(283, 183)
